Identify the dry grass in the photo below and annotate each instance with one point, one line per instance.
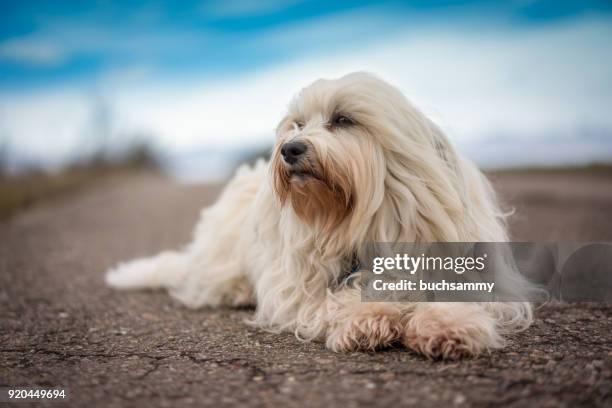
(591, 169)
(21, 191)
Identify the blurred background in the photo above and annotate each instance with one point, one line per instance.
(193, 88)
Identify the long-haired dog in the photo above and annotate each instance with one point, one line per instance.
(354, 162)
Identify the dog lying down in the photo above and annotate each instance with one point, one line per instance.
(354, 162)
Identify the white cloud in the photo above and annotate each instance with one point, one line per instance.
(47, 126)
(32, 51)
(56, 42)
(530, 83)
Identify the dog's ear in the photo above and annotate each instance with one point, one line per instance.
(424, 191)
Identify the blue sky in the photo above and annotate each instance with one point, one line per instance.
(55, 41)
(203, 75)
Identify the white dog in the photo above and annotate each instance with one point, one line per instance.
(354, 162)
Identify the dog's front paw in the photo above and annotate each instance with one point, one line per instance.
(450, 334)
(370, 331)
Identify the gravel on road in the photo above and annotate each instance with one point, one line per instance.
(61, 326)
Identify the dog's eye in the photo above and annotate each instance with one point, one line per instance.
(299, 125)
(342, 121)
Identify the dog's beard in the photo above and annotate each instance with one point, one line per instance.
(320, 195)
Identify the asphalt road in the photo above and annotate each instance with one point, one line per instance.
(60, 325)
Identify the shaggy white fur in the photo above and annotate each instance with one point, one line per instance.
(369, 167)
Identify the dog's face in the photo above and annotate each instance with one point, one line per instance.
(329, 159)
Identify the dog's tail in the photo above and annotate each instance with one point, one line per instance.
(165, 270)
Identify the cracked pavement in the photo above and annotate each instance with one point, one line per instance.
(60, 325)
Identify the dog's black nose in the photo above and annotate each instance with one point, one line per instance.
(292, 151)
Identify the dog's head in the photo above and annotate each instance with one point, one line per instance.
(345, 144)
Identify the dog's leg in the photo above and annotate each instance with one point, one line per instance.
(436, 330)
(209, 271)
(450, 330)
(188, 278)
(354, 325)
(222, 284)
